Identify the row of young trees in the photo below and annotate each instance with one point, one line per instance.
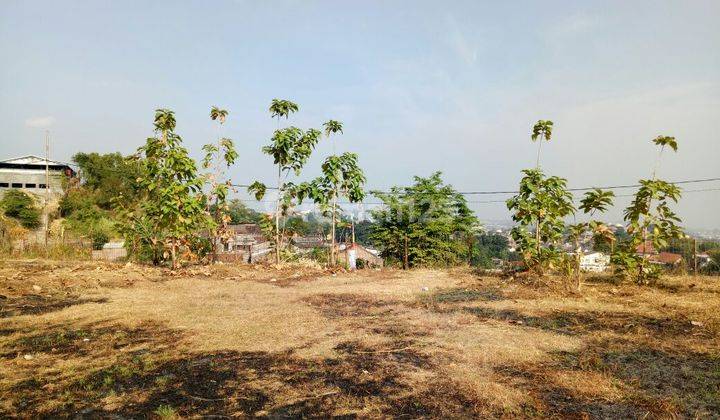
(172, 211)
(290, 148)
(544, 202)
(179, 213)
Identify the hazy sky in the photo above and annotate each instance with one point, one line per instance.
(420, 86)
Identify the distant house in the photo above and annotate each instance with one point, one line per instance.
(356, 256)
(310, 241)
(667, 259)
(247, 244)
(596, 262)
(28, 173)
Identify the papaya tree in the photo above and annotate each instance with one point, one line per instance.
(594, 201)
(171, 210)
(341, 176)
(542, 130)
(218, 156)
(542, 202)
(650, 220)
(290, 149)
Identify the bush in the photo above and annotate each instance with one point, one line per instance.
(21, 206)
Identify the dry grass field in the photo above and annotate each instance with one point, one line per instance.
(93, 340)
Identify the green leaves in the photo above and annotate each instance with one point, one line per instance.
(432, 216)
(172, 208)
(291, 147)
(542, 202)
(218, 114)
(668, 141)
(282, 108)
(333, 127)
(543, 130)
(596, 200)
(164, 120)
(258, 189)
(649, 219)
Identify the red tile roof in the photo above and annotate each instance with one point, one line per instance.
(666, 258)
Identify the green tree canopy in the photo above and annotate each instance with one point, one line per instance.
(432, 218)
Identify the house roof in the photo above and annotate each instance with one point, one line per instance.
(246, 229)
(666, 258)
(33, 160)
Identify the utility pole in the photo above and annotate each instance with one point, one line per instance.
(47, 188)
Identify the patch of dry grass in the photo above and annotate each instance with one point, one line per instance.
(101, 339)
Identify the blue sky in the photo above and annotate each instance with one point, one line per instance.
(420, 86)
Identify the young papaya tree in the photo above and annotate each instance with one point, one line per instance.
(341, 176)
(650, 220)
(542, 202)
(218, 156)
(594, 201)
(542, 130)
(172, 209)
(290, 149)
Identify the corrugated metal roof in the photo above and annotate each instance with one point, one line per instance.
(32, 160)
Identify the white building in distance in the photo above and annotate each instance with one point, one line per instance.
(28, 174)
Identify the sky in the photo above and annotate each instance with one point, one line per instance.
(421, 86)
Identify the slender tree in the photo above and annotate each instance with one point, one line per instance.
(290, 149)
(219, 155)
(543, 202)
(649, 221)
(542, 130)
(341, 176)
(334, 127)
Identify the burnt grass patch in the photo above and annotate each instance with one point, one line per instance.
(572, 323)
(659, 383)
(242, 384)
(467, 295)
(351, 305)
(83, 341)
(37, 304)
(691, 381)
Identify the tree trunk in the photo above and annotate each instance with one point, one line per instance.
(537, 163)
(578, 256)
(333, 258)
(406, 264)
(277, 218)
(173, 255)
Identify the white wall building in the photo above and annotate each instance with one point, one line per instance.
(595, 263)
(28, 173)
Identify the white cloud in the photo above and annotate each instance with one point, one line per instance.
(40, 122)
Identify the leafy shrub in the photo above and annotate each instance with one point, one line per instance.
(21, 206)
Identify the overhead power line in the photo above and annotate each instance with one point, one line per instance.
(250, 200)
(607, 187)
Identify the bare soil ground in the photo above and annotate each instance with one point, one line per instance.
(100, 340)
